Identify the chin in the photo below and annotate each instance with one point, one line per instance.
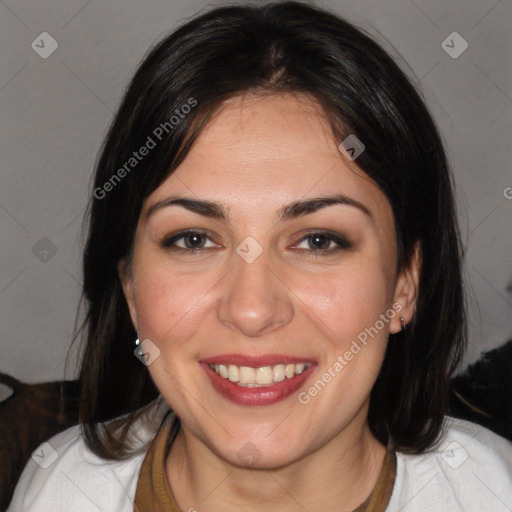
(250, 456)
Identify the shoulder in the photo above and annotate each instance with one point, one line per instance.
(63, 475)
(469, 469)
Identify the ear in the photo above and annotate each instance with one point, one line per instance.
(125, 276)
(406, 290)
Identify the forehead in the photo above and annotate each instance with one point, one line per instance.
(260, 152)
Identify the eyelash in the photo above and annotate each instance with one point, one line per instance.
(341, 241)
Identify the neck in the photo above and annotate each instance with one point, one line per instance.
(339, 476)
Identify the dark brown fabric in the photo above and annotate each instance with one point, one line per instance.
(381, 494)
(154, 494)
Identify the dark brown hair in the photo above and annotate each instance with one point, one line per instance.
(294, 48)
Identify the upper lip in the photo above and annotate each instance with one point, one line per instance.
(256, 361)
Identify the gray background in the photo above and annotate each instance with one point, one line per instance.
(55, 113)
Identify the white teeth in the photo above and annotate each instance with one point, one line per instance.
(223, 371)
(279, 374)
(233, 373)
(299, 368)
(258, 377)
(264, 375)
(247, 375)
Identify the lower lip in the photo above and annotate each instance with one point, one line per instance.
(256, 396)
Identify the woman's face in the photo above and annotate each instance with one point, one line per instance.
(273, 285)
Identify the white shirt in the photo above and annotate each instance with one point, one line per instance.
(470, 471)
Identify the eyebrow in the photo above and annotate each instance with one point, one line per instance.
(290, 211)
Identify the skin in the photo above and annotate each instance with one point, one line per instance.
(256, 155)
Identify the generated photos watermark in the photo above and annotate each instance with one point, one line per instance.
(454, 455)
(249, 249)
(454, 45)
(351, 147)
(249, 454)
(44, 455)
(147, 352)
(152, 141)
(44, 45)
(337, 366)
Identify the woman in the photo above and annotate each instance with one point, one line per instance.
(273, 235)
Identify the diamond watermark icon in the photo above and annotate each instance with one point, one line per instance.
(454, 45)
(44, 45)
(249, 454)
(352, 147)
(147, 352)
(45, 455)
(454, 455)
(249, 250)
(44, 249)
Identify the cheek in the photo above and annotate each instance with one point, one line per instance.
(346, 307)
(170, 303)
(347, 300)
(171, 307)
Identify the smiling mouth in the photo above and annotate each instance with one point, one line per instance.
(261, 377)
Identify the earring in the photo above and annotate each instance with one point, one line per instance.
(404, 325)
(137, 341)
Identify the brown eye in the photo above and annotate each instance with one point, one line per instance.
(321, 242)
(188, 241)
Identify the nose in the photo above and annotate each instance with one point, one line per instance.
(254, 300)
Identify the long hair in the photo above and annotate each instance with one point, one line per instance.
(277, 48)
